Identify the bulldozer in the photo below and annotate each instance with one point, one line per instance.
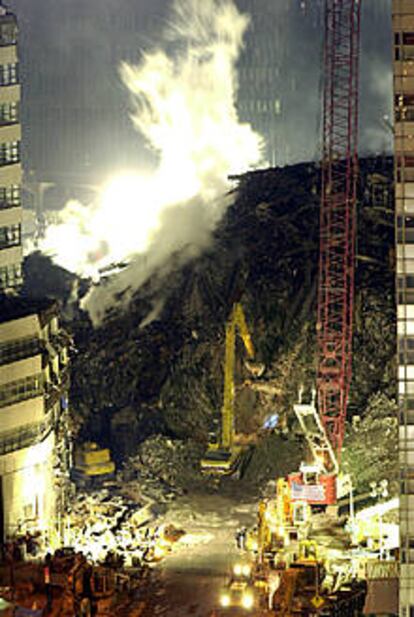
(223, 455)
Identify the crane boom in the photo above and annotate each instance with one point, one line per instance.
(337, 215)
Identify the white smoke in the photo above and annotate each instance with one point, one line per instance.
(184, 105)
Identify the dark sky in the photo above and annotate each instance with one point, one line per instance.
(75, 109)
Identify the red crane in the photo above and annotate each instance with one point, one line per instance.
(324, 427)
(337, 215)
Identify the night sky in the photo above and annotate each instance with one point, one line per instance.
(75, 109)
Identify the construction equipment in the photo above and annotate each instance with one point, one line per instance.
(93, 465)
(223, 457)
(337, 240)
(239, 592)
(281, 522)
(85, 589)
(306, 589)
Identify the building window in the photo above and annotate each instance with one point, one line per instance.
(404, 107)
(8, 33)
(405, 166)
(9, 74)
(405, 230)
(10, 196)
(10, 236)
(9, 152)
(408, 38)
(10, 276)
(9, 113)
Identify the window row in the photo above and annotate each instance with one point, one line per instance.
(17, 349)
(21, 389)
(9, 74)
(9, 113)
(260, 106)
(10, 276)
(10, 236)
(9, 152)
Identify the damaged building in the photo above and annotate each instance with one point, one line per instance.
(34, 452)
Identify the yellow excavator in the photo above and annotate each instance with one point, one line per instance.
(223, 457)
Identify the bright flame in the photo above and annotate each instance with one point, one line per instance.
(185, 107)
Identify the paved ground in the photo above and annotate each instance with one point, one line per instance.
(190, 579)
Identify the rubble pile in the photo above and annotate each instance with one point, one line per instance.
(164, 468)
(371, 444)
(109, 527)
(168, 374)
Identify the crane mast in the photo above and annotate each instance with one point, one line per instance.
(337, 215)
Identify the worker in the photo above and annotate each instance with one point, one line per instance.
(48, 586)
(273, 582)
(241, 538)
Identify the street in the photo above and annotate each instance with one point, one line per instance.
(188, 581)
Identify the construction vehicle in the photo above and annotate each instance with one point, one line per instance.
(239, 592)
(84, 589)
(223, 455)
(307, 589)
(93, 465)
(320, 482)
(281, 523)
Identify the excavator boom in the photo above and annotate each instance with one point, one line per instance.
(237, 322)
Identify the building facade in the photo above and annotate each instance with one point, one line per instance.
(34, 446)
(403, 29)
(10, 167)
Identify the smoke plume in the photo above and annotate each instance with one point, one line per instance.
(183, 96)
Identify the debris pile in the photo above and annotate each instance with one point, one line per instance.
(371, 444)
(164, 468)
(111, 528)
(168, 372)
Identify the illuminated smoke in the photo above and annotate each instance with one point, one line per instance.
(184, 105)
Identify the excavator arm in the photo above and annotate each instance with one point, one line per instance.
(237, 322)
